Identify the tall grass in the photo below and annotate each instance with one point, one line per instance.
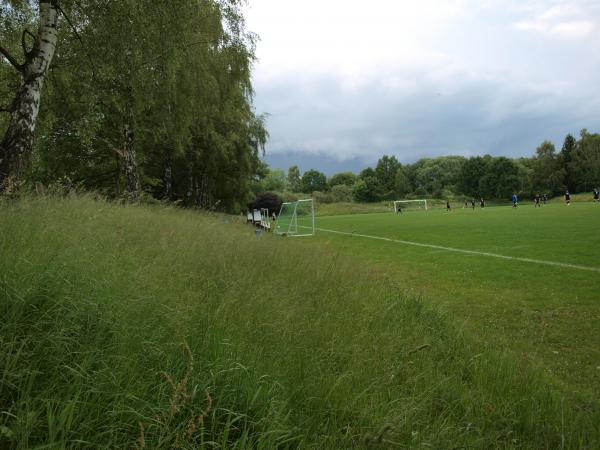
(138, 327)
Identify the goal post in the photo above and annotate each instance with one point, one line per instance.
(400, 205)
(296, 218)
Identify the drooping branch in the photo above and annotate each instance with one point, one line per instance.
(68, 19)
(11, 59)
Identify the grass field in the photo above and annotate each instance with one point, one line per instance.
(547, 314)
(148, 327)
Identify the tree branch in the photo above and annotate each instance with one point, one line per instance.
(68, 19)
(11, 59)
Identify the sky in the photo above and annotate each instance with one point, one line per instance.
(345, 81)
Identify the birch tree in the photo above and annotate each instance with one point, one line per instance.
(38, 51)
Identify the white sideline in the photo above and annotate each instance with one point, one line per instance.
(470, 252)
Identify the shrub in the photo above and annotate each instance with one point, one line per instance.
(341, 193)
(269, 200)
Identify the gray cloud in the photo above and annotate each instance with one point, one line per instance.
(487, 76)
(320, 116)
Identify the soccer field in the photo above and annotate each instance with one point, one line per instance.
(526, 280)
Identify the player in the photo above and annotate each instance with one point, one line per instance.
(515, 200)
(536, 199)
(544, 198)
(596, 195)
(567, 198)
(482, 202)
(473, 204)
(448, 206)
(466, 204)
(398, 209)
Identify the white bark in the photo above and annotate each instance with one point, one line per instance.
(18, 140)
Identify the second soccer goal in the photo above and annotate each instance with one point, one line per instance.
(400, 205)
(296, 218)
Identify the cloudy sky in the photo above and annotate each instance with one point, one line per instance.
(346, 81)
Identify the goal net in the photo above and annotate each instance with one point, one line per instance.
(296, 218)
(407, 205)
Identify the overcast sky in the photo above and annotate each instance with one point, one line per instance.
(347, 81)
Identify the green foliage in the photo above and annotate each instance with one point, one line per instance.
(341, 193)
(275, 180)
(547, 174)
(177, 74)
(585, 164)
(566, 157)
(401, 183)
(367, 189)
(313, 180)
(501, 179)
(386, 171)
(435, 174)
(294, 181)
(342, 178)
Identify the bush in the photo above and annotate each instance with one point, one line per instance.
(269, 200)
(321, 197)
(341, 193)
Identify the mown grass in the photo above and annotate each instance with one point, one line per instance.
(137, 327)
(546, 314)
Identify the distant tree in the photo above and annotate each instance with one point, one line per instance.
(436, 174)
(294, 180)
(366, 173)
(547, 174)
(401, 183)
(313, 180)
(585, 165)
(501, 179)
(345, 178)
(275, 180)
(385, 172)
(367, 190)
(566, 157)
(471, 173)
(269, 200)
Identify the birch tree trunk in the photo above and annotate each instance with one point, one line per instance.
(18, 140)
(130, 167)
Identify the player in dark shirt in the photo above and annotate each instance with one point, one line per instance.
(537, 201)
(473, 204)
(596, 195)
(448, 206)
(544, 198)
(568, 198)
(482, 202)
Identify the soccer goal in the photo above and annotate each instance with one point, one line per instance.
(402, 205)
(296, 218)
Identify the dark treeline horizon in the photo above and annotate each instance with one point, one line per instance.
(575, 167)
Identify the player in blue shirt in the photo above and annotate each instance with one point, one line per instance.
(515, 200)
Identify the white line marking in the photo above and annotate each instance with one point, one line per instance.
(470, 252)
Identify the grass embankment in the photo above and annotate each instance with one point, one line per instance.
(130, 327)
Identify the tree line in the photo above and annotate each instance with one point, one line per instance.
(576, 167)
(135, 97)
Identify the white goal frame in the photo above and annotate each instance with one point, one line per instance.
(292, 228)
(398, 202)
